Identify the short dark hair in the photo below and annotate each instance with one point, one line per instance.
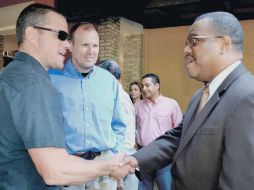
(153, 76)
(85, 26)
(32, 15)
(112, 67)
(224, 23)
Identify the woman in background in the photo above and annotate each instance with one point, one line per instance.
(135, 90)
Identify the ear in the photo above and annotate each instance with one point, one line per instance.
(157, 85)
(31, 35)
(71, 45)
(226, 44)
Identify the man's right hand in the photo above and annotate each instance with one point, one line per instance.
(129, 160)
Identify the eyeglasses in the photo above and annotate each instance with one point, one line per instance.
(192, 40)
(62, 35)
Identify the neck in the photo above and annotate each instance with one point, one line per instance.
(135, 100)
(80, 68)
(154, 98)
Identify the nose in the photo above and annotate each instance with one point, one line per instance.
(90, 49)
(67, 44)
(187, 49)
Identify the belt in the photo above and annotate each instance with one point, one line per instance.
(88, 155)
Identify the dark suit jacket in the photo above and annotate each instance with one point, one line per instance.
(214, 149)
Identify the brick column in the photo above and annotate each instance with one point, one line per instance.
(1, 51)
(122, 41)
(109, 38)
(131, 51)
(132, 58)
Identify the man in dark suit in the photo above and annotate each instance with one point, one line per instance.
(213, 147)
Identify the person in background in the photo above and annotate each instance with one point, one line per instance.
(93, 118)
(130, 182)
(135, 91)
(155, 115)
(32, 146)
(213, 147)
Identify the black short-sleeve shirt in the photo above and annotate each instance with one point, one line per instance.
(30, 117)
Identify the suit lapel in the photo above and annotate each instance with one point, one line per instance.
(193, 122)
(192, 109)
(198, 119)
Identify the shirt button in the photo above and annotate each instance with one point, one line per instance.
(86, 108)
(88, 142)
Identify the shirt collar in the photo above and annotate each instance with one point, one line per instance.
(34, 63)
(157, 100)
(216, 82)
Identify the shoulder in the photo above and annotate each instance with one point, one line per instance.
(104, 75)
(103, 72)
(21, 76)
(168, 100)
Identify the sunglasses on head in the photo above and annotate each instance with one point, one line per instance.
(62, 35)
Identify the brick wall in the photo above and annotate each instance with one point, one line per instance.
(132, 58)
(109, 38)
(1, 51)
(122, 41)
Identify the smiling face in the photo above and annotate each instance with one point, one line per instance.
(150, 88)
(202, 61)
(51, 50)
(85, 49)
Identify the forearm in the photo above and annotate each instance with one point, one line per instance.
(75, 170)
(158, 153)
(57, 167)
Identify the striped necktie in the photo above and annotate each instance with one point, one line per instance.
(204, 98)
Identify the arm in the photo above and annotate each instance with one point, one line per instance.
(238, 155)
(43, 137)
(57, 167)
(118, 124)
(158, 153)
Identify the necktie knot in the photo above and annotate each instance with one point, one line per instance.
(204, 98)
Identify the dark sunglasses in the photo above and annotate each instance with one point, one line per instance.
(192, 40)
(62, 35)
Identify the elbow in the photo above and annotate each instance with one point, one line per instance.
(50, 181)
(53, 177)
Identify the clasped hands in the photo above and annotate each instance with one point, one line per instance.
(122, 165)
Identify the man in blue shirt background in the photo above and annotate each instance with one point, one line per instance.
(94, 127)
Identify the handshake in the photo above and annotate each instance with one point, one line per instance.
(121, 165)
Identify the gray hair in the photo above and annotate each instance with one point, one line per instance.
(112, 67)
(32, 15)
(226, 24)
